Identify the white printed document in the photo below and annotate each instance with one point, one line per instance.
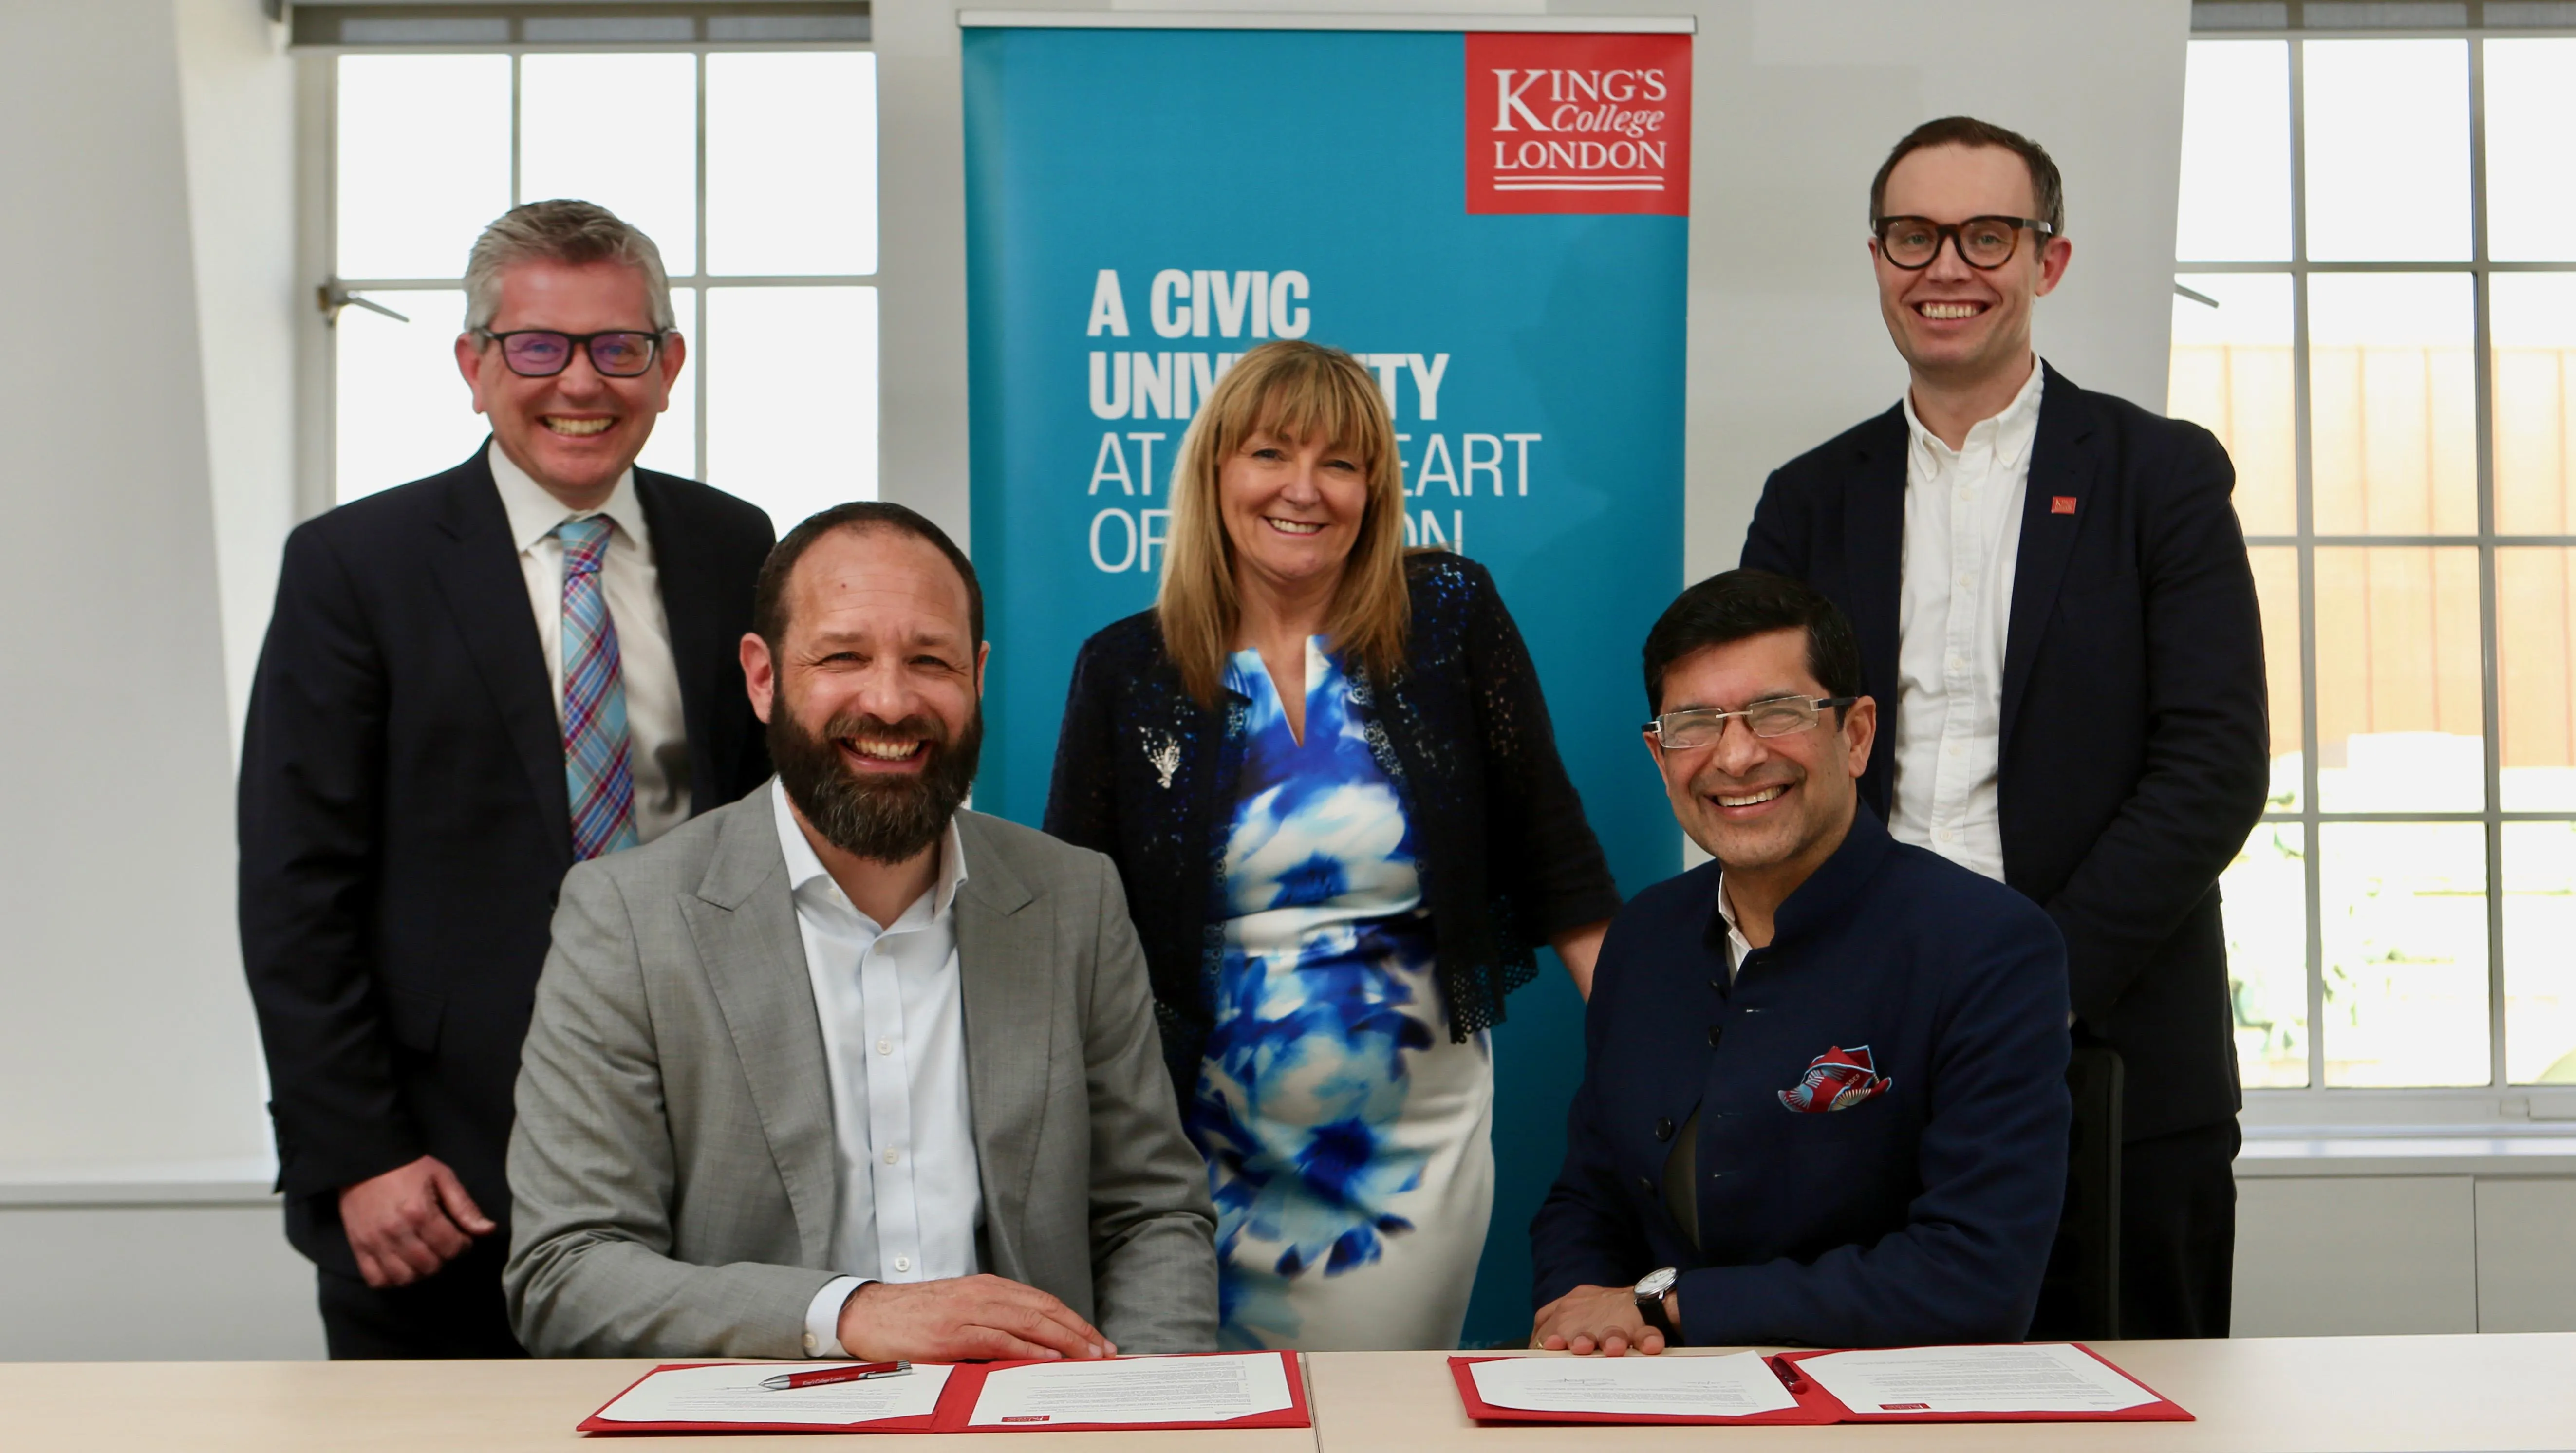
(1736, 1384)
(1135, 1390)
(2034, 1378)
(731, 1393)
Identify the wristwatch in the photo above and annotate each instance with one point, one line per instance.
(1650, 1291)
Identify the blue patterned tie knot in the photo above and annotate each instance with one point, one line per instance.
(598, 778)
(585, 544)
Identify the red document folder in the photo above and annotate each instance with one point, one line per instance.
(1812, 1407)
(956, 1409)
(1817, 1406)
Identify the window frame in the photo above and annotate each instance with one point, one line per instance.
(317, 145)
(2499, 1102)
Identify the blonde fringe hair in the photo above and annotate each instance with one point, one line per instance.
(1296, 392)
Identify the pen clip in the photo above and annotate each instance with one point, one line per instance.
(1787, 1371)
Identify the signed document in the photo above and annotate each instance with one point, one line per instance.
(2033, 1378)
(1735, 1384)
(731, 1393)
(1214, 1389)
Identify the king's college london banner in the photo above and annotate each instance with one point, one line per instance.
(1496, 224)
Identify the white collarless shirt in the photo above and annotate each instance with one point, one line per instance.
(657, 735)
(910, 1199)
(1737, 945)
(1963, 512)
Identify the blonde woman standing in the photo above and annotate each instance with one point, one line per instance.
(1326, 774)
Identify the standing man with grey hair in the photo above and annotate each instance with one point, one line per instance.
(472, 682)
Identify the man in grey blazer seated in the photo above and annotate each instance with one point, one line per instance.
(842, 1071)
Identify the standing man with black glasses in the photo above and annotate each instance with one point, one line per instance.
(470, 683)
(2051, 591)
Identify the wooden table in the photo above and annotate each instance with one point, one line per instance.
(2257, 1395)
(436, 1407)
(2351, 1394)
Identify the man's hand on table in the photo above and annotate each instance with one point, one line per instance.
(410, 1221)
(964, 1318)
(1601, 1319)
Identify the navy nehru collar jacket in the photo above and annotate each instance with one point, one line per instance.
(1879, 1100)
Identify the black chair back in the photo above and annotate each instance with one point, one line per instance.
(2080, 1299)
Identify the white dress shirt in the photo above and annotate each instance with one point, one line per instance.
(1737, 945)
(1962, 540)
(657, 736)
(894, 1046)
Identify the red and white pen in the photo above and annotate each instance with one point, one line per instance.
(825, 1377)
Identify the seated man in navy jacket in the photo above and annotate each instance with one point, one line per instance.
(1824, 1096)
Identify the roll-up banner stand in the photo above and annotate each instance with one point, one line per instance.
(1493, 215)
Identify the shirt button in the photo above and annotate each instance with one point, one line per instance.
(810, 1343)
(1663, 1129)
(1716, 1032)
(1966, 581)
(892, 1155)
(886, 1046)
(903, 1263)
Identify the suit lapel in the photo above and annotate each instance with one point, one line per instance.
(1874, 551)
(1008, 971)
(2054, 502)
(478, 572)
(743, 922)
(689, 585)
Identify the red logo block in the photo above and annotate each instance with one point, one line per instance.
(1578, 123)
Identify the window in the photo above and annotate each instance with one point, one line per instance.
(2375, 310)
(753, 169)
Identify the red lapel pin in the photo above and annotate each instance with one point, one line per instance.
(2061, 504)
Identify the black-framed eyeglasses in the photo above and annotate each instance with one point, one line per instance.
(1984, 243)
(1679, 731)
(541, 353)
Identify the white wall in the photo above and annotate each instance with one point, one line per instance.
(149, 408)
(237, 101)
(169, 1280)
(921, 179)
(2428, 1234)
(125, 1032)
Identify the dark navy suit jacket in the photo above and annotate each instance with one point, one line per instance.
(404, 819)
(1923, 1214)
(2136, 745)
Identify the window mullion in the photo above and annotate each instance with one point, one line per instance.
(2482, 370)
(324, 388)
(515, 190)
(2313, 887)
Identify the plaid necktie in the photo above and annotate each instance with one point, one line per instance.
(594, 717)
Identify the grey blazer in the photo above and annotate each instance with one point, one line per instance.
(671, 1169)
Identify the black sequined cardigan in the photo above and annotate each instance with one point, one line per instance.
(1148, 776)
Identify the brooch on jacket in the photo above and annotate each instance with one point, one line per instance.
(1837, 1080)
(1162, 753)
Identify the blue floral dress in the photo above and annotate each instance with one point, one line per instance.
(1348, 1139)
